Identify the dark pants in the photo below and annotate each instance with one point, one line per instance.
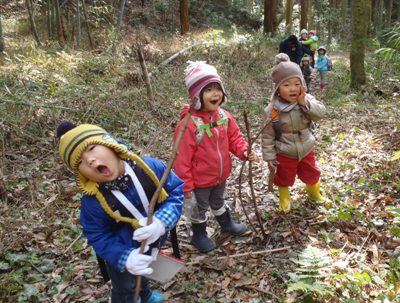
(123, 286)
(206, 198)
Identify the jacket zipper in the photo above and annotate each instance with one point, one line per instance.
(218, 151)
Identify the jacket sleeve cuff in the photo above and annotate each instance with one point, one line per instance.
(122, 261)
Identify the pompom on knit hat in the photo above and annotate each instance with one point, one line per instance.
(198, 74)
(74, 140)
(283, 70)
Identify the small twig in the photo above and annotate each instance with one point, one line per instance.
(291, 228)
(72, 244)
(246, 254)
(253, 195)
(146, 77)
(365, 241)
(241, 199)
(259, 290)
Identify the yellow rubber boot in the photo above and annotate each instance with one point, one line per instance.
(314, 193)
(284, 199)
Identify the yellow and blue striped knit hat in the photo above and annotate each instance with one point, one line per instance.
(75, 139)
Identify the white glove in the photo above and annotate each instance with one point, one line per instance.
(138, 264)
(151, 232)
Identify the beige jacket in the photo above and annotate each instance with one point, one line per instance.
(297, 140)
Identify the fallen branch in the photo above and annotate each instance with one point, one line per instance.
(38, 105)
(241, 199)
(253, 195)
(246, 254)
(176, 55)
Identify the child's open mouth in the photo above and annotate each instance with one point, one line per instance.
(104, 170)
(214, 102)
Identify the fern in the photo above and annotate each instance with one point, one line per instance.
(392, 50)
(313, 264)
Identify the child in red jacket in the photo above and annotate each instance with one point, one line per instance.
(204, 161)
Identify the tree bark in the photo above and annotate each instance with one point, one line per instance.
(270, 20)
(2, 46)
(87, 24)
(184, 16)
(60, 33)
(120, 15)
(343, 19)
(78, 24)
(303, 14)
(309, 14)
(389, 13)
(361, 12)
(32, 21)
(288, 16)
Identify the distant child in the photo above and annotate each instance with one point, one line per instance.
(293, 48)
(204, 161)
(117, 186)
(306, 70)
(312, 44)
(287, 142)
(323, 65)
(303, 35)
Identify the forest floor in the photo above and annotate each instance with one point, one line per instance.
(348, 248)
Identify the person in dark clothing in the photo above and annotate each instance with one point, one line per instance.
(293, 48)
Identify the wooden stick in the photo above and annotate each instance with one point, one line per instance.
(246, 254)
(253, 195)
(157, 192)
(146, 77)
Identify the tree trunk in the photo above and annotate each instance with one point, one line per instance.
(273, 16)
(78, 24)
(270, 20)
(309, 14)
(48, 20)
(32, 21)
(361, 12)
(303, 14)
(379, 15)
(389, 13)
(184, 16)
(87, 24)
(288, 16)
(120, 15)
(60, 33)
(2, 46)
(343, 20)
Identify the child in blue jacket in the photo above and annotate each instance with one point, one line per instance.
(117, 186)
(323, 66)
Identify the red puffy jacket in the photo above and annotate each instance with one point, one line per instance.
(204, 160)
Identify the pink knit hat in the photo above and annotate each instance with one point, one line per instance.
(198, 75)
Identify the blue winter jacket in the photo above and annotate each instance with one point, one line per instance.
(322, 63)
(114, 245)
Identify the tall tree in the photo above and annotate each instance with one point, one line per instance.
(60, 32)
(309, 14)
(389, 13)
(184, 16)
(343, 19)
(288, 16)
(29, 7)
(303, 14)
(361, 12)
(2, 46)
(270, 20)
